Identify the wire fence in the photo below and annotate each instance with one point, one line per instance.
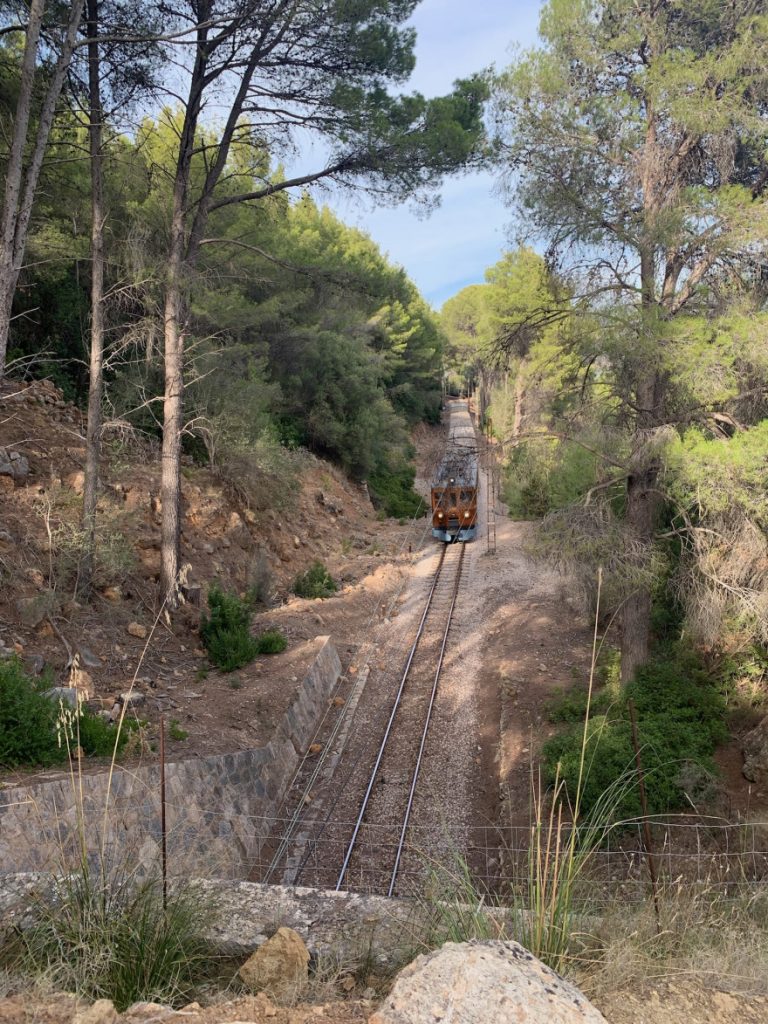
(207, 842)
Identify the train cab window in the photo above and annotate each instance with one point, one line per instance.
(467, 496)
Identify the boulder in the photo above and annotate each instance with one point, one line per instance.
(87, 658)
(755, 751)
(35, 576)
(278, 967)
(102, 1012)
(14, 466)
(75, 481)
(476, 982)
(138, 630)
(132, 699)
(82, 681)
(328, 503)
(68, 695)
(34, 610)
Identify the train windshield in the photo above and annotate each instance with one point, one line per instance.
(444, 498)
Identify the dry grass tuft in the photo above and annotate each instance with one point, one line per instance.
(720, 941)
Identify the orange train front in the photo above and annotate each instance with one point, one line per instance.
(454, 491)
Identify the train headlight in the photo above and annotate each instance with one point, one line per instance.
(466, 515)
(440, 515)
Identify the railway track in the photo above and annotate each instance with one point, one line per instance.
(389, 795)
(362, 842)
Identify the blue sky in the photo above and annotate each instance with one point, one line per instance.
(451, 248)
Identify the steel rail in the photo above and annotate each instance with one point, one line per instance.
(427, 723)
(388, 730)
(296, 817)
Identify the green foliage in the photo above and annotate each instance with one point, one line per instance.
(226, 631)
(27, 720)
(175, 730)
(717, 475)
(686, 331)
(106, 940)
(32, 727)
(304, 334)
(115, 557)
(392, 491)
(271, 641)
(680, 712)
(97, 737)
(316, 582)
(546, 475)
(570, 706)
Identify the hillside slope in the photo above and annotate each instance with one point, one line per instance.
(308, 511)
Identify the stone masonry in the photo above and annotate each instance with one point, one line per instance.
(219, 809)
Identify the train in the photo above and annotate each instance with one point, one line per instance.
(454, 489)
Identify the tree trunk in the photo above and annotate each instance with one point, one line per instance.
(482, 392)
(173, 424)
(95, 383)
(13, 175)
(18, 200)
(642, 500)
(636, 615)
(517, 423)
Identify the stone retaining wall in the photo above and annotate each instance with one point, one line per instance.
(219, 809)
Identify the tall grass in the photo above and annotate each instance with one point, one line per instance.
(562, 842)
(561, 845)
(453, 908)
(115, 939)
(721, 941)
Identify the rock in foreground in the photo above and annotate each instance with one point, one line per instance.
(477, 982)
(279, 967)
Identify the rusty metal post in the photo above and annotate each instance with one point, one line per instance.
(647, 838)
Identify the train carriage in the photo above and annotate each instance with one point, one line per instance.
(454, 491)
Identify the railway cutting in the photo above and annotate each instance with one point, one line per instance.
(357, 816)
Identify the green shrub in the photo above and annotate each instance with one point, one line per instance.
(31, 733)
(97, 737)
(680, 712)
(226, 633)
(27, 720)
(315, 582)
(570, 706)
(392, 492)
(544, 475)
(271, 641)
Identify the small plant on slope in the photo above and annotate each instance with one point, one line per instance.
(316, 582)
(226, 633)
(271, 641)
